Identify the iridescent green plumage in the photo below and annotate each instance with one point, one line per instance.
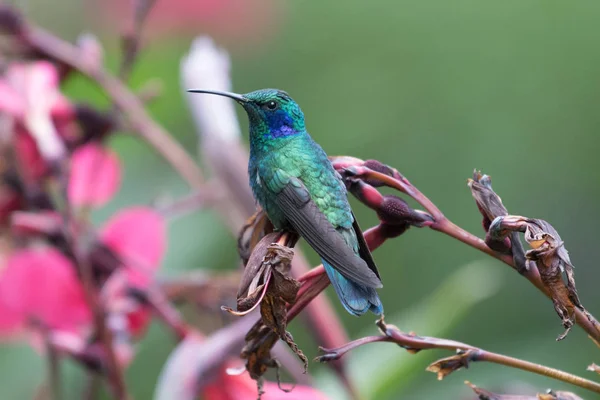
(293, 180)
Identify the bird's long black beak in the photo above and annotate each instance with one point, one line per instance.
(237, 97)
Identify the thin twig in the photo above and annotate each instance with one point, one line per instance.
(104, 334)
(467, 353)
(132, 37)
(54, 381)
(92, 387)
(72, 234)
(125, 100)
(192, 202)
(156, 300)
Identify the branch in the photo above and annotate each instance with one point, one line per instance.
(465, 354)
(130, 42)
(54, 381)
(102, 331)
(354, 169)
(156, 300)
(208, 196)
(549, 395)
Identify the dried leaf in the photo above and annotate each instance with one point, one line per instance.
(552, 259)
(446, 366)
(549, 395)
(489, 203)
(487, 395)
(253, 299)
(552, 395)
(274, 310)
(257, 352)
(278, 289)
(254, 262)
(490, 206)
(256, 227)
(594, 367)
(256, 277)
(281, 290)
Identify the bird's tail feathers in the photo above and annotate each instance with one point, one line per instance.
(356, 299)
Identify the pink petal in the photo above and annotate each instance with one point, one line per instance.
(138, 321)
(11, 101)
(43, 78)
(32, 86)
(42, 284)
(62, 109)
(119, 301)
(138, 235)
(95, 176)
(11, 319)
(37, 82)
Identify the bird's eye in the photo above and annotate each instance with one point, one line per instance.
(271, 105)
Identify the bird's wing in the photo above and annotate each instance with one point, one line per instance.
(304, 215)
(363, 248)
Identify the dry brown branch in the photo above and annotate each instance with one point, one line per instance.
(466, 354)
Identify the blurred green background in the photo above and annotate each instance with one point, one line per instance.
(434, 88)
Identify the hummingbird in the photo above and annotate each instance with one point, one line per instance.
(294, 182)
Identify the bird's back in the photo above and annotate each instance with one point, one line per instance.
(303, 158)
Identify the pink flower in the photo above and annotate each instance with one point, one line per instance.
(30, 94)
(95, 176)
(29, 88)
(41, 284)
(138, 236)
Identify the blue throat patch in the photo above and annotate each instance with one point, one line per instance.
(280, 124)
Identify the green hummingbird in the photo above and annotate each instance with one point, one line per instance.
(294, 182)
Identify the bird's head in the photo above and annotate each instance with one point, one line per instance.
(272, 113)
